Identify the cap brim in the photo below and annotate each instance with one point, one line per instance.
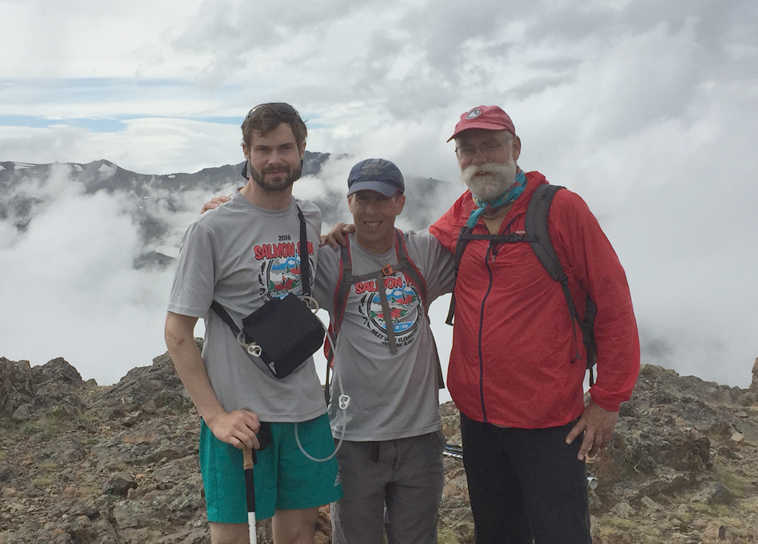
(482, 125)
(380, 187)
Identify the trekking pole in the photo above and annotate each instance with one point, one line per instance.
(456, 452)
(247, 463)
(451, 450)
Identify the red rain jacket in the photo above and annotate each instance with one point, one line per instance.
(513, 340)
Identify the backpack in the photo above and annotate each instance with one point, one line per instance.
(538, 236)
(345, 282)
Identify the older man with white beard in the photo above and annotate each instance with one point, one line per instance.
(518, 358)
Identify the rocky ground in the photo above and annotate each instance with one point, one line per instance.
(84, 463)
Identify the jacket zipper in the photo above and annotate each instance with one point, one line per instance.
(481, 329)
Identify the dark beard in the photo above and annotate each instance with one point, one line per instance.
(275, 186)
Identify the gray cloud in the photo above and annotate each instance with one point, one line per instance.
(647, 109)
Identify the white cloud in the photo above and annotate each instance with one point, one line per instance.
(69, 288)
(152, 145)
(92, 39)
(646, 109)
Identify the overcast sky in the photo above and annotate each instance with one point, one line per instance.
(648, 109)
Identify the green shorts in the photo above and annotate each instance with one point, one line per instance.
(285, 479)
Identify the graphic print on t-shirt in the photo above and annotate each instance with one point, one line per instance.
(279, 272)
(404, 304)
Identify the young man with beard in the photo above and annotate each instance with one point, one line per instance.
(241, 255)
(518, 361)
(376, 289)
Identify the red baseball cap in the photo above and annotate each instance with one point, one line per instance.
(486, 117)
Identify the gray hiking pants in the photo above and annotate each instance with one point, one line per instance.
(392, 485)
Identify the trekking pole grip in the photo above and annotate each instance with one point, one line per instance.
(247, 458)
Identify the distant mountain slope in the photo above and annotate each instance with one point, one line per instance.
(162, 205)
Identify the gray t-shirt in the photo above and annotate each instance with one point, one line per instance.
(241, 255)
(392, 396)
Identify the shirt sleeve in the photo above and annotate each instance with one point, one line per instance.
(447, 228)
(195, 278)
(436, 262)
(589, 259)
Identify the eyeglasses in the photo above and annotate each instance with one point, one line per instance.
(487, 149)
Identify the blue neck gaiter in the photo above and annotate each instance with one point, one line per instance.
(506, 198)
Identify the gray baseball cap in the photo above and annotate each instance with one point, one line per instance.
(378, 175)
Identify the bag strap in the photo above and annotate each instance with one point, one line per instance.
(305, 262)
(224, 315)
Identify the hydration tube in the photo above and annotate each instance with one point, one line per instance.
(343, 402)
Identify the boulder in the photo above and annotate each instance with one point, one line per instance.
(16, 387)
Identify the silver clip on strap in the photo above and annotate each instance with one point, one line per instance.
(311, 303)
(252, 348)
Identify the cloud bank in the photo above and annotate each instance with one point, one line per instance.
(646, 109)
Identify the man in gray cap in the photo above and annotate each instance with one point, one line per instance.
(377, 289)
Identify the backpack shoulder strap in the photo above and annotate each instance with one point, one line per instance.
(344, 281)
(460, 247)
(412, 272)
(406, 264)
(539, 238)
(537, 230)
(341, 292)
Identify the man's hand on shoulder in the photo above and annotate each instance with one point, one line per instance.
(338, 235)
(214, 203)
(237, 428)
(597, 424)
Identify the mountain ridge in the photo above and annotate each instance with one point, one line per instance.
(83, 463)
(154, 201)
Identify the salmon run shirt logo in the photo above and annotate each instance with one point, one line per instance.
(279, 268)
(404, 304)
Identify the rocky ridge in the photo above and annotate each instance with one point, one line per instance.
(85, 463)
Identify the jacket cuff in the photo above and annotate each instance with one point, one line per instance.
(605, 401)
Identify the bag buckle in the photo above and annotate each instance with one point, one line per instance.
(311, 303)
(252, 348)
(387, 270)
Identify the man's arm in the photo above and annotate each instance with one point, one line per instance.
(214, 203)
(238, 427)
(436, 262)
(596, 267)
(338, 235)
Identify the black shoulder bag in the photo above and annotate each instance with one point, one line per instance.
(283, 332)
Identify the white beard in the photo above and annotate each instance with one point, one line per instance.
(493, 179)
